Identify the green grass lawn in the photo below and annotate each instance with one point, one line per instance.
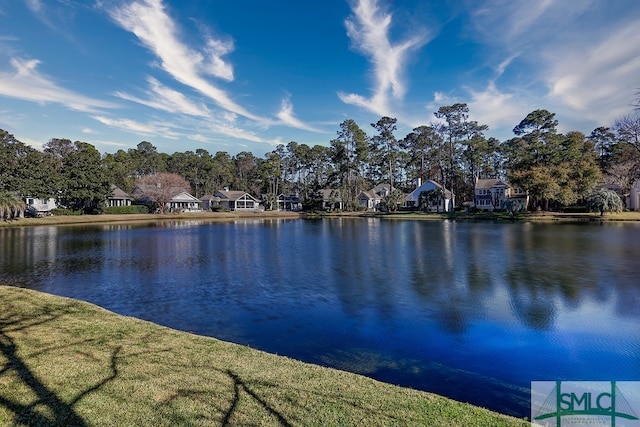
(66, 362)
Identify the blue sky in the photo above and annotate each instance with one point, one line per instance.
(250, 74)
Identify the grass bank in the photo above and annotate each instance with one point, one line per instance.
(130, 218)
(230, 216)
(66, 362)
(503, 216)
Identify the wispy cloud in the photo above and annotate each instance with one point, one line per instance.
(166, 99)
(583, 53)
(287, 117)
(26, 83)
(153, 26)
(369, 28)
(598, 78)
(146, 129)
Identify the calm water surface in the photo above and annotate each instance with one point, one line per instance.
(473, 311)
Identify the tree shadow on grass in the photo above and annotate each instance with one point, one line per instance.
(238, 386)
(47, 409)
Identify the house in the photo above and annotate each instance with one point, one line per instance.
(167, 198)
(118, 198)
(371, 199)
(235, 201)
(185, 202)
(633, 199)
(289, 202)
(209, 202)
(331, 199)
(491, 194)
(441, 202)
(39, 207)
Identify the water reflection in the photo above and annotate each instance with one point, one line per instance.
(442, 306)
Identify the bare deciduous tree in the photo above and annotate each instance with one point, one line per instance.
(160, 188)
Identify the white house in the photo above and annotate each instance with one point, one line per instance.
(185, 202)
(633, 200)
(371, 199)
(491, 194)
(444, 202)
(40, 207)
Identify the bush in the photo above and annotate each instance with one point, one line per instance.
(120, 210)
(575, 209)
(63, 211)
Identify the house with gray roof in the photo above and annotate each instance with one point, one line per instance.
(232, 200)
(491, 194)
(118, 198)
(441, 200)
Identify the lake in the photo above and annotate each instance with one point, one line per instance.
(471, 310)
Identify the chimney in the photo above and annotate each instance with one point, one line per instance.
(418, 182)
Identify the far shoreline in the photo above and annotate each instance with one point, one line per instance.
(629, 216)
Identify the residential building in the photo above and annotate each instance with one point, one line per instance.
(185, 202)
(491, 194)
(331, 199)
(371, 199)
(39, 207)
(442, 200)
(289, 202)
(234, 200)
(118, 198)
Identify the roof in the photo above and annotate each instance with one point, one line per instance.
(233, 195)
(117, 193)
(428, 185)
(184, 197)
(368, 195)
(144, 189)
(326, 194)
(490, 183)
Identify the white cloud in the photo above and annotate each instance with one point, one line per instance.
(600, 78)
(155, 128)
(26, 83)
(496, 109)
(34, 5)
(585, 54)
(288, 117)
(153, 26)
(368, 28)
(166, 99)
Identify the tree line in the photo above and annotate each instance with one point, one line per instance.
(556, 169)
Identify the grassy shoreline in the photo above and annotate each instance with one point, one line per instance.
(231, 216)
(67, 362)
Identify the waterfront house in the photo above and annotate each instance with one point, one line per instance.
(39, 206)
(289, 202)
(371, 199)
(491, 194)
(331, 199)
(235, 200)
(118, 198)
(441, 202)
(185, 202)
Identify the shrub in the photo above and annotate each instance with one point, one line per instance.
(134, 209)
(575, 209)
(63, 211)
